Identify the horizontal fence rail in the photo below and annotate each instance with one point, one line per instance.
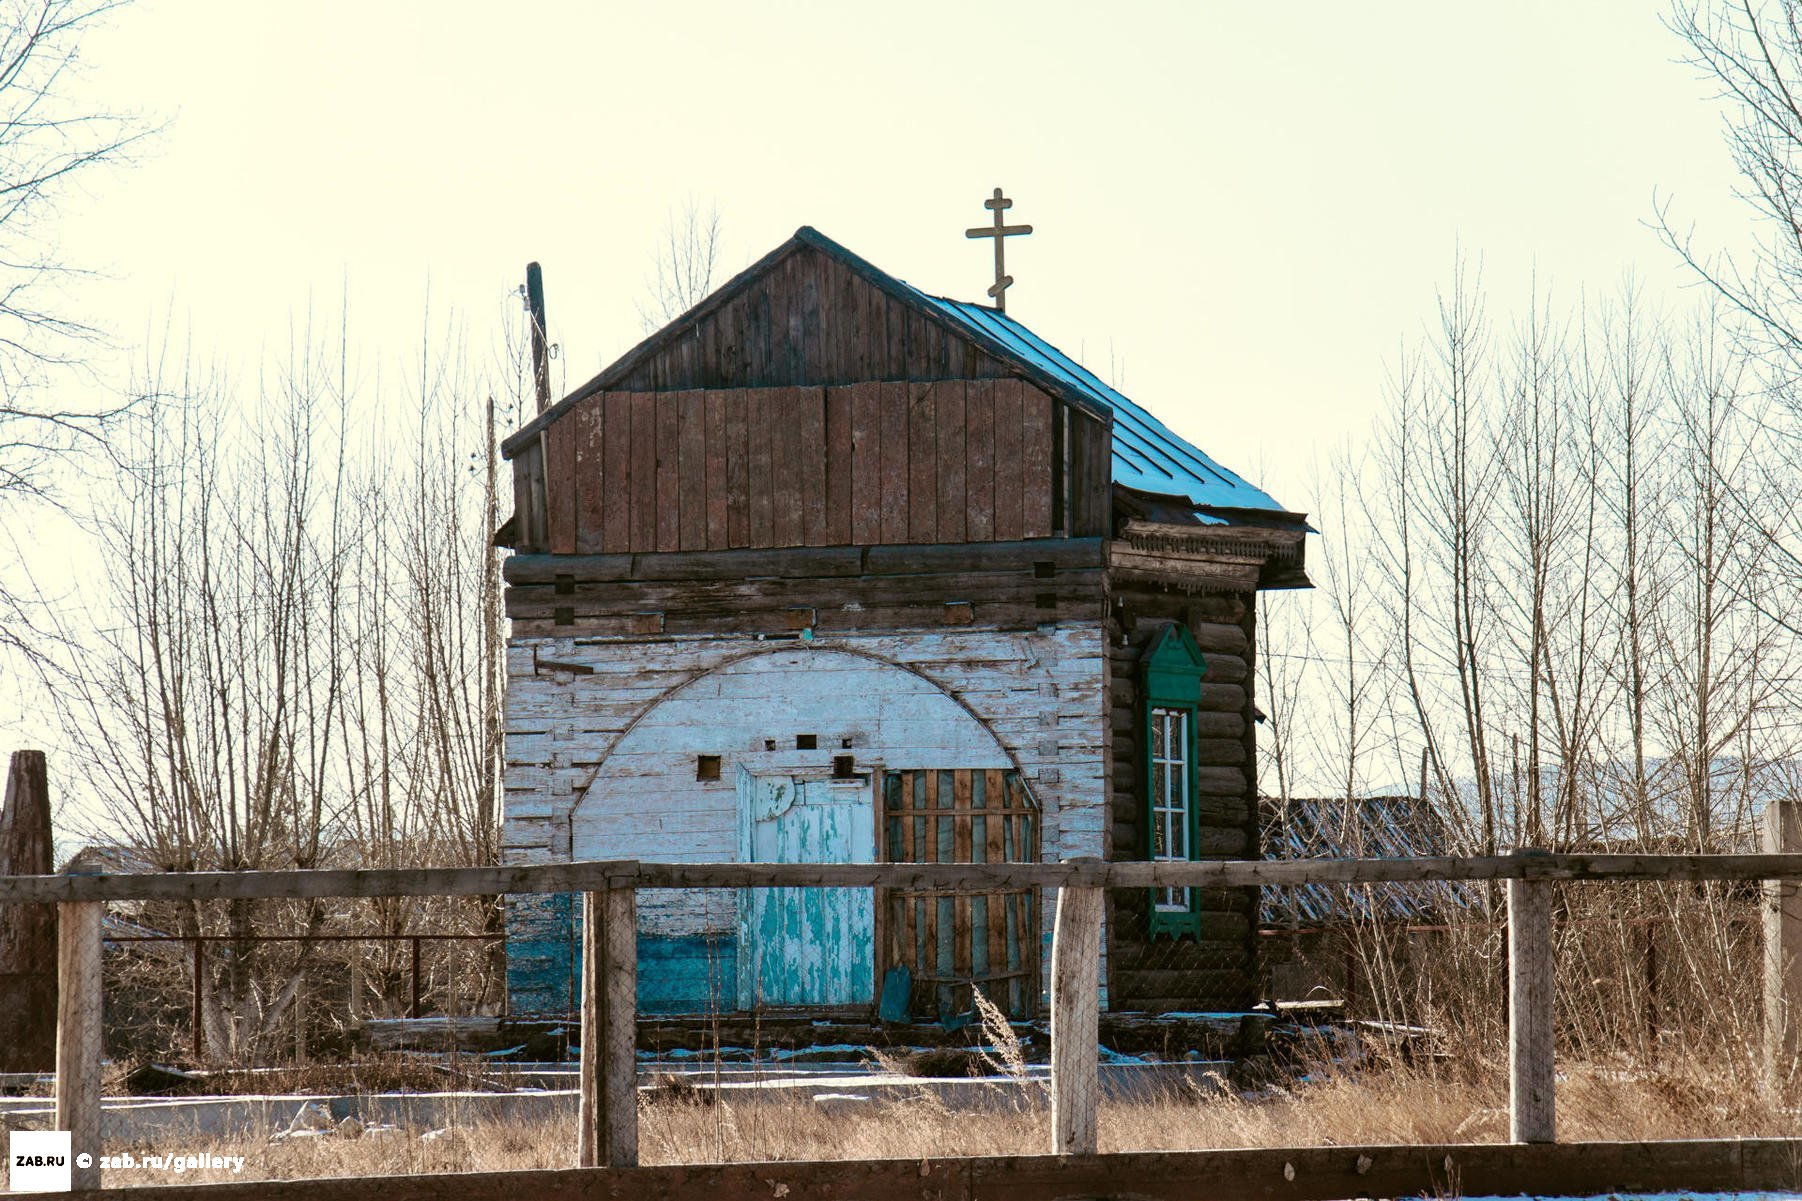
(1255, 1174)
(597, 875)
(607, 1134)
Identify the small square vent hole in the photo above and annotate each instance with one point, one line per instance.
(707, 767)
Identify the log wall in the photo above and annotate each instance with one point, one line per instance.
(1220, 969)
(1019, 585)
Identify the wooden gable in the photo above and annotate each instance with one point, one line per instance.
(809, 317)
(811, 401)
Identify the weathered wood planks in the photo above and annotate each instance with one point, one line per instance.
(1255, 1174)
(1009, 598)
(962, 816)
(946, 461)
(27, 932)
(1532, 1082)
(1075, 1017)
(79, 1048)
(585, 876)
(607, 1125)
(1782, 904)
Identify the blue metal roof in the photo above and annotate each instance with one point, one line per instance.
(1147, 455)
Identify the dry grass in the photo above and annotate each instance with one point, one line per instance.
(1658, 1039)
(1397, 1105)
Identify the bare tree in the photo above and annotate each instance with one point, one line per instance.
(684, 264)
(1631, 496)
(302, 667)
(52, 141)
(1753, 55)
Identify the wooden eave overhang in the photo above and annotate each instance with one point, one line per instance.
(1165, 541)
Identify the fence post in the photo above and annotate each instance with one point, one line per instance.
(1075, 1020)
(78, 1032)
(413, 1005)
(1531, 1046)
(27, 932)
(607, 1134)
(1782, 948)
(199, 1015)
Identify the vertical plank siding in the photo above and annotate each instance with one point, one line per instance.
(691, 469)
(1037, 412)
(979, 460)
(616, 469)
(1010, 445)
(717, 521)
(668, 495)
(590, 471)
(954, 941)
(865, 464)
(1091, 486)
(922, 463)
(948, 417)
(738, 471)
(835, 529)
(644, 470)
(760, 414)
(893, 498)
(560, 491)
(786, 453)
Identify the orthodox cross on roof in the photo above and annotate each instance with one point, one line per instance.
(998, 231)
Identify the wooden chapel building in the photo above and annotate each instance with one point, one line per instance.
(829, 569)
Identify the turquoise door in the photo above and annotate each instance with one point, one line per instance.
(805, 946)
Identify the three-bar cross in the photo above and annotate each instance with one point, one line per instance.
(998, 231)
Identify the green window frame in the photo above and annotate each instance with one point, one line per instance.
(1170, 691)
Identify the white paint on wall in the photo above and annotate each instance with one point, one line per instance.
(602, 765)
(645, 802)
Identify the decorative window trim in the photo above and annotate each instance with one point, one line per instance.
(1171, 671)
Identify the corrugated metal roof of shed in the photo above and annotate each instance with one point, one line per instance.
(1380, 827)
(1147, 455)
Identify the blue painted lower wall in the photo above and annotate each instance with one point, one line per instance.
(697, 974)
(694, 974)
(544, 940)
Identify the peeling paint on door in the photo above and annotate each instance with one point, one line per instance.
(805, 946)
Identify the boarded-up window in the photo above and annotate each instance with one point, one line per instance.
(953, 940)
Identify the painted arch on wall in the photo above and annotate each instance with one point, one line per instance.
(646, 802)
(769, 715)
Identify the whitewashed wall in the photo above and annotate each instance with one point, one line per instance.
(644, 801)
(601, 764)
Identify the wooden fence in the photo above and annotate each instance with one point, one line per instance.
(607, 1130)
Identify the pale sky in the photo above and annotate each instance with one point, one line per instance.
(1247, 206)
(1244, 208)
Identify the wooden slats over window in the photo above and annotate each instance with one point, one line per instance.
(952, 940)
(947, 461)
